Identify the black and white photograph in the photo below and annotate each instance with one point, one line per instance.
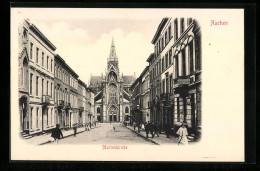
(127, 82)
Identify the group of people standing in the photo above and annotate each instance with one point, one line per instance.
(182, 131)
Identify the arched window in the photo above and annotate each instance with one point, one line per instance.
(98, 110)
(126, 110)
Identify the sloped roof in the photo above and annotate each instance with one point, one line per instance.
(128, 79)
(94, 80)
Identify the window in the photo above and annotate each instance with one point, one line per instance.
(55, 71)
(47, 116)
(171, 81)
(170, 32)
(167, 84)
(191, 56)
(51, 116)
(183, 62)
(47, 65)
(189, 21)
(37, 81)
(31, 117)
(166, 61)
(162, 43)
(51, 89)
(43, 59)
(98, 110)
(126, 110)
(176, 29)
(176, 66)
(43, 87)
(163, 86)
(31, 77)
(31, 51)
(166, 39)
(178, 109)
(37, 118)
(37, 55)
(47, 89)
(170, 56)
(182, 25)
(51, 64)
(162, 64)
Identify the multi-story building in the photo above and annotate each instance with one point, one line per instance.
(145, 95)
(176, 82)
(73, 116)
(81, 87)
(36, 92)
(62, 92)
(140, 98)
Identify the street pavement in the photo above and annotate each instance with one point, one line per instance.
(106, 133)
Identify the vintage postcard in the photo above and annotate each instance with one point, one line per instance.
(127, 84)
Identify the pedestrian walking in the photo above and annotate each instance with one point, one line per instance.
(56, 133)
(183, 134)
(147, 129)
(75, 129)
(152, 129)
(155, 129)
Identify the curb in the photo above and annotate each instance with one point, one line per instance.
(143, 136)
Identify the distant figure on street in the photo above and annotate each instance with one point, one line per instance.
(56, 133)
(134, 126)
(114, 128)
(147, 129)
(155, 129)
(183, 134)
(167, 130)
(75, 129)
(139, 127)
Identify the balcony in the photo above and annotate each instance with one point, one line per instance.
(60, 103)
(181, 81)
(81, 108)
(68, 106)
(46, 99)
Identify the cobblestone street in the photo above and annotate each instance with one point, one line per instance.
(106, 134)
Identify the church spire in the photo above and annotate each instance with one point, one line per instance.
(112, 55)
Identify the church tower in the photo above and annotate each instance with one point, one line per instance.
(111, 91)
(112, 95)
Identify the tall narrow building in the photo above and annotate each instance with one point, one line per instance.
(112, 91)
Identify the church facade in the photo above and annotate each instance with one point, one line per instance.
(112, 99)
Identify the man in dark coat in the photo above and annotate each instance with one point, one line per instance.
(75, 129)
(56, 133)
(155, 129)
(147, 128)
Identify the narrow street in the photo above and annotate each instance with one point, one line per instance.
(105, 134)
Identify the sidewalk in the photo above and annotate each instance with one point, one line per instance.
(46, 138)
(162, 139)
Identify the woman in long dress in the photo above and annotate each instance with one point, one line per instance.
(183, 134)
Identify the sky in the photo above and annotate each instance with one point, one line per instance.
(83, 36)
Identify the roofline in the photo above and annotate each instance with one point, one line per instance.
(159, 29)
(58, 57)
(149, 58)
(41, 35)
(146, 68)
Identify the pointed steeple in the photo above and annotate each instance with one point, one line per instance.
(112, 55)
